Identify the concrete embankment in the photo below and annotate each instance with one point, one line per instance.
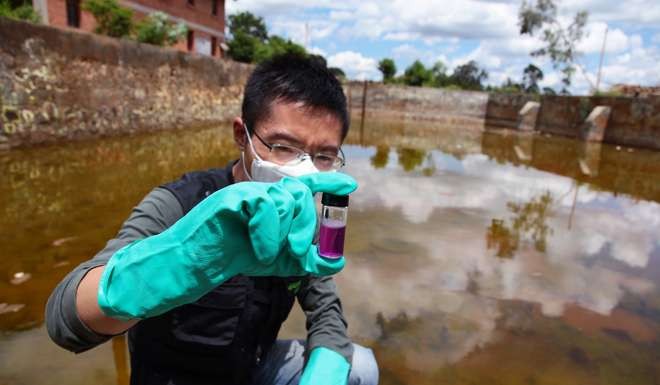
(61, 85)
(625, 121)
(464, 109)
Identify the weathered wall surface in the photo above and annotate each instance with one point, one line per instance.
(502, 110)
(61, 85)
(633, 122)
(456, 108)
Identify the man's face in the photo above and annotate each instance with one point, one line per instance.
(312, 130)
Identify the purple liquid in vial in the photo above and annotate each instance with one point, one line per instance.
(331, 238)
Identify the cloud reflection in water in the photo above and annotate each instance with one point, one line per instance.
(417, 246)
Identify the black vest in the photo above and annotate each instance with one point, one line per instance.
(220, 338)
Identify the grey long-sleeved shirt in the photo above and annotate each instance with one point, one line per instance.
(326, 325)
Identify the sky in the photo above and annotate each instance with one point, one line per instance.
(355, 34)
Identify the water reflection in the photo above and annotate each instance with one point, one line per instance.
(425, 247)
(467, 254)
(121, 359)
(410, 158)
(60, 204)
(529, 219)
(381, 157)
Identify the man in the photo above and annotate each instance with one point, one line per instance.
(205, 269)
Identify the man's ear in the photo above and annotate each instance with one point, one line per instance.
(239, 133)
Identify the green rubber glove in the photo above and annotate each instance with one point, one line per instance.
(249, 228)
(325, 367)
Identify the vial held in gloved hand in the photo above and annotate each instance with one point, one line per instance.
(333, 225)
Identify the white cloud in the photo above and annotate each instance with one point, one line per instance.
(639, 65)
(617, 40)
(406, 51)
(355, 65)
(303, 32)
(639, 12)
(423, 29)
(318, 51)
(400, 36)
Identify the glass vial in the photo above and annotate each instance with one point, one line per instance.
(334, 211)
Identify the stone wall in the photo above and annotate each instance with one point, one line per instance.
(58, 85)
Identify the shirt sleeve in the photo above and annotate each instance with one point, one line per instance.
(326, 325)
(156, 212)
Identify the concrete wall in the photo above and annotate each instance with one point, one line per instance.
(502, 110)
(63, 84)
(633, 122)
(387, 102)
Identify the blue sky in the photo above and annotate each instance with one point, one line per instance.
(355, 34)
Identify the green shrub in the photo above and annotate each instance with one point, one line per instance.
(157, 29)
(111, 18)
(22, 12)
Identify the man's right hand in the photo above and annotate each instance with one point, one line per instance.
(250, 228)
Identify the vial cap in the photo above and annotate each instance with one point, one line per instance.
(334, 200)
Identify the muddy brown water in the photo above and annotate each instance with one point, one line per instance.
(471, 257)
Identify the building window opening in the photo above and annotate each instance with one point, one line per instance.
(191, 2)
(73, 13)
(214, 46)
(191, 39)
(214, 7)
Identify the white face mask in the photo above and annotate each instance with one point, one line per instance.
(265, 171)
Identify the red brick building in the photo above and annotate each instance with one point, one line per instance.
(205, 19)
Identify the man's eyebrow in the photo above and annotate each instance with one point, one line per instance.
(334, 149)
(285, 136)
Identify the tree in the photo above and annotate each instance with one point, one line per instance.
(248, 34)
(250, 42)
(111, 18)
(242, 47)
(469, 76)
(531, 77)
(549, 91)
(247, 23)
(416, 74)
(509, 86)
(157, 29)
(388, 69)
(560, 42)
(439, 74)
(276, 46)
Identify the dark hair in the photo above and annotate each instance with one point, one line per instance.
(293, 78)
